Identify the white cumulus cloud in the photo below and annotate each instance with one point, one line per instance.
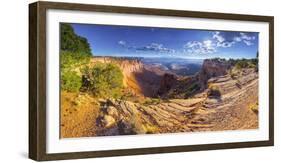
(243, 37)
(221, 41)
(218, 37)
(197, 47)
(152, 47)
(249, 43)
(156, 48)
(121, 42)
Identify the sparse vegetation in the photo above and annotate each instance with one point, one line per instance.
(254, 107)
(103, 80)
(150, 129)
(213, 91)
(137, 126)
(244, 63)
(75, 109)
(70, 81)
(233, 74)
(241, 64)
(73, 60)
(152, 101)
(133, 125)
(192, 89)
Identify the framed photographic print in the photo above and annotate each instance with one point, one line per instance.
(112, 81)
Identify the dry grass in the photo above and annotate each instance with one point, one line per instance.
(78, 114)
(141, 127)
(150, 129)
(254, 107)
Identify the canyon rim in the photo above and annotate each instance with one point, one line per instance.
(122, 80)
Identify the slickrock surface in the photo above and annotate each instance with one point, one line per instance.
(200, 113)
(168, 104)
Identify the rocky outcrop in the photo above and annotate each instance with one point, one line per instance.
(141, 80)
(135, 118)
(172, 86)
(200, 113)
(212, 68)
(186, 104)
(153, 82)
(166, 83)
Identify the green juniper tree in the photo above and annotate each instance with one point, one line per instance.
(74, 52)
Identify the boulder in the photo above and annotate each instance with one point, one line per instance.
(112, 111)
(108, 121)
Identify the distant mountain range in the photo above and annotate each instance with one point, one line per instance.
(177, 66)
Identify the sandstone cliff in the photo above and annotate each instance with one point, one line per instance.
(212, 68)
(141, 80)
(229, 111)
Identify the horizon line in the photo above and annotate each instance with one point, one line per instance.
(180, 57)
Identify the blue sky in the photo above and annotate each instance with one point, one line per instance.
(107, 40)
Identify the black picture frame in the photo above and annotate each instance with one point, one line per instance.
(37, 79)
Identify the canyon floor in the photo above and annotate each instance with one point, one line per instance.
(83, 115)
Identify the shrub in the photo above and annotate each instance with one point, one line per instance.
(250, 63)
(194, 87)
(150, 129)
(70, 81)
(254, 107)
(214, 91)
(104, 80)
(242, 64)
(152, 101)
(191, 89)
(71, 60)
(233, 74)
(254, 61)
